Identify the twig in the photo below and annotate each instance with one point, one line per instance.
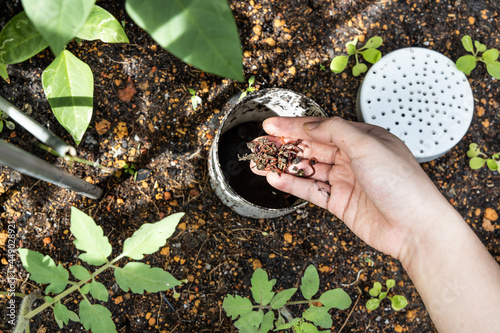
(350, 313)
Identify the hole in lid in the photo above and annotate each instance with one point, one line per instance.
(420, 120)
(436, 143)
(374, 72)
(452, 138)
(378, 99)
(448, 65)
(389, 100)
(421, 142)
(393, 59)
(416, 74)
(373, 87)
(449, 87)
(445, 130)
(393, 111)
(397, 123)
(421, 151)
(436, 80)
(412, 65)
(384, 76)
(368, 101)
(420, 130)
(436, 61)
(428, 55)
(441, 124)
(395, 91)
(395, 82)
(400, 100)
(404, 75)
(409, 123)
(433, 132)
(442, 73)
(428, 123)
(413, 57)
(401, 107)
(445, 112)
(466, 109)
(432, 115)
(405, 133)
(383, 113)
(413, 115)
(374, 117)
(388, 128)
(459, 122)
(446, 78)
(403, 87)
(426, 101)
(433, 72)
(383, 88)
(403, 115)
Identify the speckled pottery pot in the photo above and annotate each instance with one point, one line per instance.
(232, 180)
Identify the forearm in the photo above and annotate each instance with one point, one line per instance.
(458, 280)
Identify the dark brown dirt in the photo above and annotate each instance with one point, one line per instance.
(284, 43)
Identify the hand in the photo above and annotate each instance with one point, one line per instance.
(364, 175)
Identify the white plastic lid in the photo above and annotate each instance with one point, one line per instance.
(421, 97)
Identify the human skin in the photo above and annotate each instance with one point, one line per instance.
(381, 193)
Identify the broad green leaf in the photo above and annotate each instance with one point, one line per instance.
(492, 164)
(382, 295)
(19, 40)
(261, 287)
(371, 55)
(467, 43)
(58, 21)
(359, 69)
(236, 306)
(288, 325)
(251, 320)
(89, 237)
(373, 42)
(98, 291)
(476, 162)
(243, 95)
(319, 316)
(267, 322)
(493, 69)
(138, 277)
(69, 86)
(80, 272)
(96, 317)
(336, 298)
(372, 304)
(491, 55)
(398, 302)
(280, 321)
(1, 125)
(44, 270)
(479, 46)
(85, 289)
(339, 63)
(63, 315)
(310, 282)
(466, 64)
(150, 237)
(390, 283)
(201, 33)
(473, 150)
(280, 299)
(100, 24)
(308, 328)
(3, 73)
(375, 291)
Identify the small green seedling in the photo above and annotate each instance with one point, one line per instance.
(130, 169)
(322, 67)
(477, 162)
(3, 119)
(398, 302)
(262, 318)
(95, 247)
(468, 62)
(369, 53)
(195, 100)
(251, 81)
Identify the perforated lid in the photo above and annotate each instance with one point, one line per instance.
(420, 96)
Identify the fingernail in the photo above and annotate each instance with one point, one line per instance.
(311, 125)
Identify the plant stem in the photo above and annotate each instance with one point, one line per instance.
(68, 291)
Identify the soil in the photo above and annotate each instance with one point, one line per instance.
(285, 44)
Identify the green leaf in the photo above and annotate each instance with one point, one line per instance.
(243, 95)
(373, 304)
(80, 272)
(3, 72)
(351, 49)
(96, 317)
(480, 47)
(476, 162)
(319, 316)
(371, 55)
(279, 300)
(138, 277)
(288, 325)
(375, 291)
(250, 320)
(251, 80)
(44, 270)
(398, 302)
(261, 287)
(201, 33)
(466, 64)
(336, 298)
(10, 125)
(100, 24)
(58, 21)
(339, 63)
(493, 69)
(310, 282)
(373, 42)
(85, 289)
(467, 43)
(359, 69)
(63, 315)
(267, 322)
(69, 86)
(89, 237)
(353, 42)
(19, 40)
(150, 237)
(308, 328)
(491, 55)
(492, 164)
(236, 306)
(473, 150)
(98, 291)
(382, 295)
(280, 321)
(390, 283)
(1, 125)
